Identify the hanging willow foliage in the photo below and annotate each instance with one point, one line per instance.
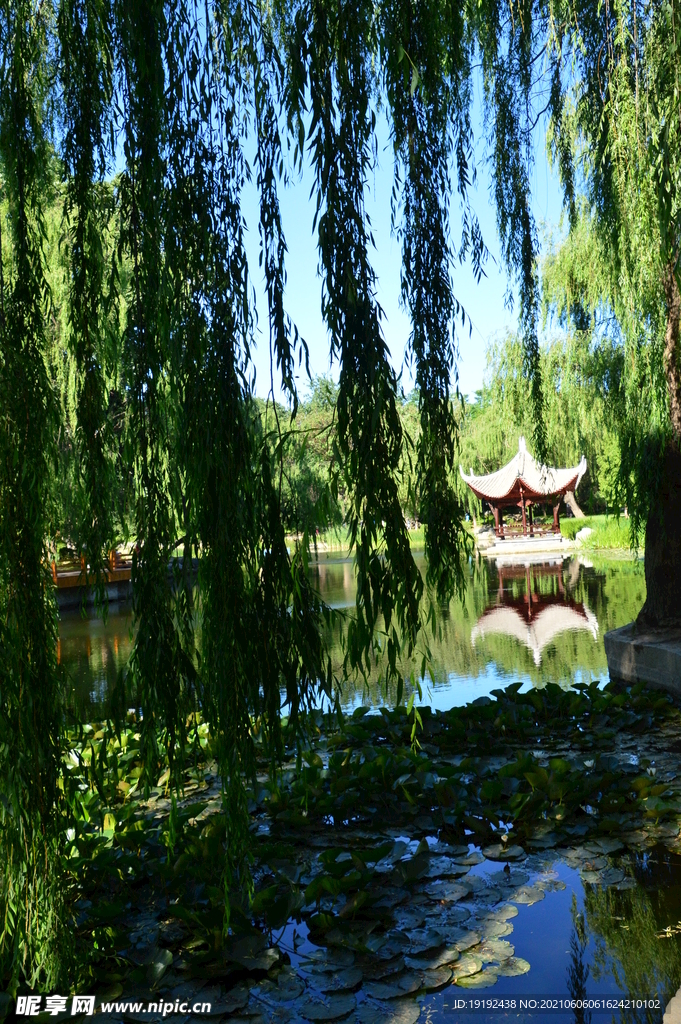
(158, 115)
(30, 686)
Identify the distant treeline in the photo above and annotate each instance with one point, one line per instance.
(579, 420)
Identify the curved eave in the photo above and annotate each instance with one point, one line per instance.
(512, 496)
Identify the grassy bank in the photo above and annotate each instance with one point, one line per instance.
(609, 532)
(338, 541)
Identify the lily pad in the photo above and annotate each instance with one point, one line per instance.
(377, 970)
(527, 895)
(470, 859)
(426, 939)
(398, 1011)
(340, 981)
(410, 917)
(396, 942)
(327, 960)
(513, 967)
(494, 950)
(468, 965)
(606, 845)
(504, 912)
(263, 961)
(437, 978)
(506, 878)
(232, 1000)
(447, 892)
(445, 867)
(430, 963)
(484, 979)
(463, 939)
(159, 964)
(454, 915)
(400, 985)
(333, 1008)
(545, 842)
(490, 896)
(492, 929)
(610, 876)
(504, 851)
(550, 884)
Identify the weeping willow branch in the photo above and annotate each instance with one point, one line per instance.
(33, 941)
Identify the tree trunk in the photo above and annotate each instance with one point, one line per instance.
(571, 503)
(663, 529)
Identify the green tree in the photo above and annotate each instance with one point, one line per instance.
(186, 102)
(618, 270)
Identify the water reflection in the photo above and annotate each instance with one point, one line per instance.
(538, 616)
(534, 622)
(634, 933)
(92, 652)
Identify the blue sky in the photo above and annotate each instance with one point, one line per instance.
(483, 302)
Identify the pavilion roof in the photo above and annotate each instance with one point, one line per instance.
(523, 472)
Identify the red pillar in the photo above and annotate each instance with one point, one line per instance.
(522, 509)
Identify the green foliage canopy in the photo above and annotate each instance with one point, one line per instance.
(132, 123)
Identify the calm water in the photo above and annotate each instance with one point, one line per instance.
(534, 623)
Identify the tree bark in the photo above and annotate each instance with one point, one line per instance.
(663, 529)
(571, 503)
(671, 350)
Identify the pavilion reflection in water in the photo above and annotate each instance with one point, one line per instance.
(539, 615)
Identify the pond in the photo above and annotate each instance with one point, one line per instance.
(535, 623)
(379, 873)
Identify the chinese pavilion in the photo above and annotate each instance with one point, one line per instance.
(522, 483)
